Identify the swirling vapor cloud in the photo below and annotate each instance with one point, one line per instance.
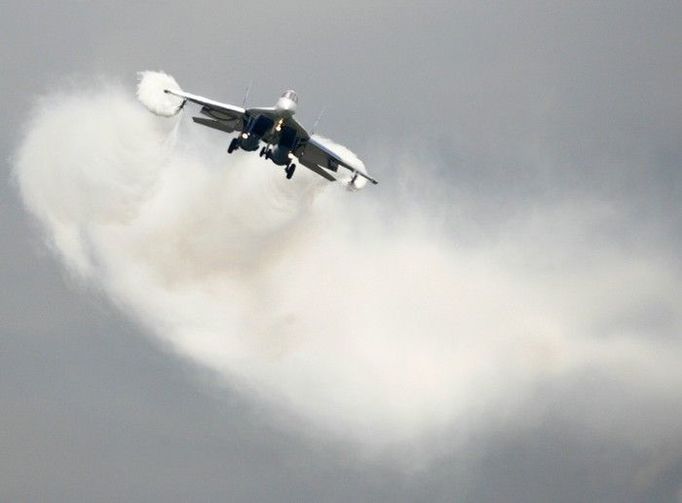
(379, 333)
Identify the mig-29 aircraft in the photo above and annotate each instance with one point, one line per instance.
(284, 139)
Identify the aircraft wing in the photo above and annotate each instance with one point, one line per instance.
(229, 117)
(314, 155)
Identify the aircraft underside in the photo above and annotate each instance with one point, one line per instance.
(280, 141)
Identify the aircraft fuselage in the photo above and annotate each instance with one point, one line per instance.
(272, 127)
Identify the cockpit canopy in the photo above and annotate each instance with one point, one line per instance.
(291, 95)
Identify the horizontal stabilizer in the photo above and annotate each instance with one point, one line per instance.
(320, 171)
(213, 124)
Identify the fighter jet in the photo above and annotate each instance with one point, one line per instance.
(274, 130)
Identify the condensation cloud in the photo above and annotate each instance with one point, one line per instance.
(381, 333)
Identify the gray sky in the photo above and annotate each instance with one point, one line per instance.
(509, 105)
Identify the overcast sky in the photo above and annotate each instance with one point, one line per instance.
(509, 106)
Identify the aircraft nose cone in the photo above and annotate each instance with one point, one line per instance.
(286, 105)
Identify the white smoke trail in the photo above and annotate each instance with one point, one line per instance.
(150, 93)
(382, 334)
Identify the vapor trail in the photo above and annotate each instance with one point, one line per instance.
(381, 334)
